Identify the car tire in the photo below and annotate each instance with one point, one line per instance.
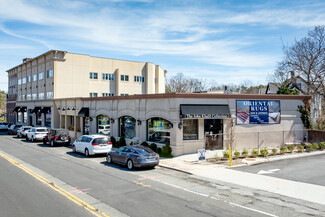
(52, 143)
(109, 159)
(74, 149)
(27, 138)
(44, 142)
(86, 152)
(129, 164)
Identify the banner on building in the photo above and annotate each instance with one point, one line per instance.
(258, 112)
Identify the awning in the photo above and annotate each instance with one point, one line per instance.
(17, 109)
(84, 112)
(23, 109)
(190, 111)
(45, 109)
(36, 109)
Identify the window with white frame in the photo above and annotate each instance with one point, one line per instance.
(29, 96)
(49, 95)
(34, 96)
(19, 81)
(29, 79)
(34, 78)
(40, 95)
(138, 79)
(41, 76)
(24, 81)
(124, 78)
(49, 73)
(124, 94)
(107, 76)
(93, 94)
(93, 75)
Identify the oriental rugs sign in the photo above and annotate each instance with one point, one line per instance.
(258, 112)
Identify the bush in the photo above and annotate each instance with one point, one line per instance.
(113, 141)
(274, 151)
(309, 147)
(131, 143)
(122, 142)
(264, 152)
(159, 150)
(145, 144)
(166, 150)
(283, 149)
(290, 148)
(315, 146)
(244, 153)
(254, 152)
(300, 148)
(153, 147)
(322, 145)
(237, 153)
(225, 154)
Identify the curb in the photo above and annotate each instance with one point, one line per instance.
(296, 156)
(175, 169)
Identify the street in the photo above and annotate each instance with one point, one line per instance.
(308, 169)
(118, 192)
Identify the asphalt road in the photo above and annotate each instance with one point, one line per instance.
(148, 192)
(308, 169)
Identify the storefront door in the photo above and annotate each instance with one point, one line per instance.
(213, 131)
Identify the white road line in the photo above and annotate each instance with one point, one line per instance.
(255, 210)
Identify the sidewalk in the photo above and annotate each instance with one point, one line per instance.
(298, 190)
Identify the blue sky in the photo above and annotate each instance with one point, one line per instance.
(223, 41)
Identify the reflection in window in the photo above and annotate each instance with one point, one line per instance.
(103, 125)
(158, 130)
(127, 127)
(190, 129)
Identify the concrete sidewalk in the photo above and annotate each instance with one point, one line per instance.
(298, 190)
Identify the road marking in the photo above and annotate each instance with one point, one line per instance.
(255, 210)
(261, 172)
(60, 190)
(143, 185)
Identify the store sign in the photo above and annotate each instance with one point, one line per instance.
(158, 125)
(205, 116)
(201, 154)
(258, 112)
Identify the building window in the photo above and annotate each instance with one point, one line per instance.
(34, 78)
(124, 78)
(111, 77)
(158, 130)
(124, 94)
(34, 96)
(93, 94)
(127, 127)
(40, 95)
(93, 75)
(29, 96)
(107, 94)
(19, 81)
(24, 81)
(103, 125)
(106, 76)
(41, 76)
(49, 73)
(49, 95)
(25, 117)
(138, 79)
(29, 79)
(111, 94)
(190, 129)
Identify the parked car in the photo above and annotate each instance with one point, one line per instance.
(92, 144)
(36, 133)
(3, 126)
(55, 136)
(12, 130)
(134, 156)
(22, 131)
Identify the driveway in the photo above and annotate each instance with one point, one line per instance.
(308, 169)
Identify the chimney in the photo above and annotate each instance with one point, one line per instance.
(26, 59)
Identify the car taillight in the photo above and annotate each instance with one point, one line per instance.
(23, 130)
(56, 137)
(109, 143)
(36, 133)
(95, 144)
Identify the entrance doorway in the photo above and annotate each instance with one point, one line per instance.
(213, 131)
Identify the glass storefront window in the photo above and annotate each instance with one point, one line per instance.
(103, 125)
(127, 127)
(190, 129)
(86, 125)
(213, 126)
(19, 118)
(48, 119)
(39, 118)
(158, 130)
(25, 117)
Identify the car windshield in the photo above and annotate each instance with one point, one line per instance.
(41, 130)
(101, 140)
(18, 126)
(143, 150)
(27, 128)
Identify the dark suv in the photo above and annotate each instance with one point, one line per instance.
(55, 136)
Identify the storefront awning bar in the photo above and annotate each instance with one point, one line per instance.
(45, 109)
(84, 112)
(17, 109)
(36, 109)
(23, 109)
(190, 111)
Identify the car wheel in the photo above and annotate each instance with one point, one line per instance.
(74, 149)
(109, 158)
(44, 142)
(129, 164)
(86, 152)
(27, 138)
(52, 143)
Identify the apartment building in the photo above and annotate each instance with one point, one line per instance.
(60, 75)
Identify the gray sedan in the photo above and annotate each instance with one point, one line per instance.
(133, 156)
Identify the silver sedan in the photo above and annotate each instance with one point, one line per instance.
(134, 156)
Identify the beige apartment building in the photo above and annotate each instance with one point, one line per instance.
(59, 74)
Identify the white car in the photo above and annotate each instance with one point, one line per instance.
(92, 144)
(104, 129)
(36, 133)
(3, 126)
(21, 132)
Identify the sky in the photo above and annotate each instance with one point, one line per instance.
(227, 42)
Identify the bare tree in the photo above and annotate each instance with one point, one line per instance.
(184, 84)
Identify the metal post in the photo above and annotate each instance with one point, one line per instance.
(230, 163)
(258, 141)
